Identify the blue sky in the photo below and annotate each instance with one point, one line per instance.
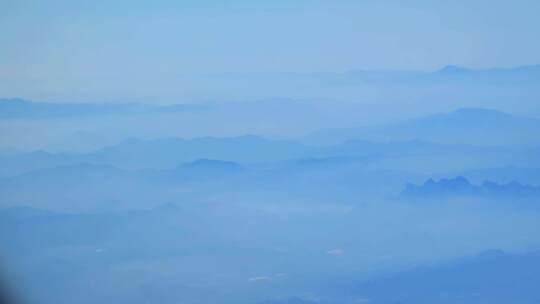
(74, 43)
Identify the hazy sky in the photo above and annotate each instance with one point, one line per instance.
(56, 48)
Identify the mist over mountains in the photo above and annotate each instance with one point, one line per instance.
(360, 104)
(270, 152)
(335, 216)
(460, 131)
(138, 202)
(145, 173)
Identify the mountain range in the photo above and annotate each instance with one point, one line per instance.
(167, 153)
(461, 187)
(475, 126)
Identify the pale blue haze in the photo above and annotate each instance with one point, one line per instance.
(269, 152)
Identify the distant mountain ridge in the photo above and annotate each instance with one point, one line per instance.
(163, 153)
(167, 153)
(460, 186)
(444, 74)
(476, 126)
(17, 108)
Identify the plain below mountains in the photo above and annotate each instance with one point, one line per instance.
(490, 277)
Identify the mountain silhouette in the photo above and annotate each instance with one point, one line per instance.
(460, 186)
